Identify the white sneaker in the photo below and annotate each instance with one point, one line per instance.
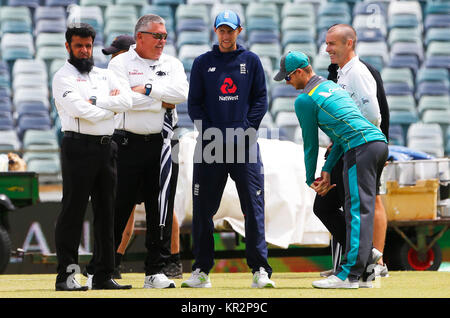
(89, 281)
(158, 281)
(335, 282)
(261, 279)
(375, 256)
(327, 273)
(197, 280)
(381, 271)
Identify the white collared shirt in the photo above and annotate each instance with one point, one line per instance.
(169, 84)
(357, 80)
(72, 90)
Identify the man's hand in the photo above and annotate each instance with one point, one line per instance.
(322, 185)
(168, 106)
(139, 89)
(114, 92)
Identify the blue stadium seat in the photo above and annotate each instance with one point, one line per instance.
(370, 35)
(284, 91)
(431, 88)
(24, 3)
(436, 21)
(437, 34)
(49, 13)
(192, 37)
(369, 8)
(6, 121)
(168, 2)
(16, 26)
(410, 61)
(32, 121)
(261, 23)
(404, 119)
(437, 7)
(50, 26)
(9, 140)
(438, 61)
(191, 25)
(263, 36)
(182, 108)
(396, 135)
(184, 121)
(404, 21)
(5, 104)
(426, 74)
(60, 3)
(408, 48)
(31, 107)
(398, 89)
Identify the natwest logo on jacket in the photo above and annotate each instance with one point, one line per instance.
(228, 86)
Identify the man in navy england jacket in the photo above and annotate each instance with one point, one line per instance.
(227, 101)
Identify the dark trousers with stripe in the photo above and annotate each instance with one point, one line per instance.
(362, 166)
(138, 168)
(88, 169)
(209, 180)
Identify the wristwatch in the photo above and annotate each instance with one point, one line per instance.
(148, 89)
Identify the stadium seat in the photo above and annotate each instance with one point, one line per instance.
(24, 3)
(324, 22)
(60, 3)
(304, 23)
(218, 7)
(118, 26)
(138, 4)
(440, 102)
(430, 131)
(164, 11)
(375, 51)
(271, 50)
(17, 46)
(288, 122)
(261, 23)
(50, 39)
(404, 8)
(50, 26)
(436, 21)
(370, 35)
(437, 34)
(404, 21)
(404, 35)
(401, 102)
(263, 36)
(282, 90)
(438, 61)
(182, 108)
(282, 104)
(16, 26)
(6, 121)
(49, 13)
(398, 75)
(29, 80)
(92, 15)
(192, 37)
(21, 13)
(437, 7)
(49, 170)
(439, 116)
(41, 140)
(369, 8)
(404, 119)
(9, 141)
(376, 21)
(191, 51)
(431, 88)
(5, 104)
(410, 61)
(168, 2)
(297, 9)
(29, 107)
(191, 25)
(190, 11)
(408, 48)
(121, 11)
(31, 94)
(259, 9)
(398, 89)
(438, 48)
(396, 135)
(33, 121)
(49, 53)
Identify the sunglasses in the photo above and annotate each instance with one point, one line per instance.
(288, 77)
(158, 36)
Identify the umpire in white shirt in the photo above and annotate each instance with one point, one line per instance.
(86, 98)
(158, 82)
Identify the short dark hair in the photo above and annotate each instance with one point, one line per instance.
(83, 30)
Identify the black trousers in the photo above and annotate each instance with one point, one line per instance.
(88, 170)
(138, 172)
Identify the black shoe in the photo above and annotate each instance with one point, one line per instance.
(63, 286)
(173, 270)
(109, 284)
(116, 274)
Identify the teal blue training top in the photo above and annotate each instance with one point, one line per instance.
(325, 105)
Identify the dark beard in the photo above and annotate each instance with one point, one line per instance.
(82, 65)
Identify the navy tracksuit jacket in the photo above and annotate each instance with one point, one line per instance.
(228, 90)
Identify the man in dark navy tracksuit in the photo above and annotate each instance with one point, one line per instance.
(228, 99)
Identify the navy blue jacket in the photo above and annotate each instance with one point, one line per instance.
(227, 90)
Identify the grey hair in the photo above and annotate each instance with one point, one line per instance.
(145, 20)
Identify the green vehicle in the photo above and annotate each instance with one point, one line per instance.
(17, 190)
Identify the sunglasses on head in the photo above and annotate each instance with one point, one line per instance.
(158, 36)
(288, 77)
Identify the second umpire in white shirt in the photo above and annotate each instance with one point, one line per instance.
(158, 82)
(87, 98)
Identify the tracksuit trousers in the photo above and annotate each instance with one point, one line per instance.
(362, 167)
(209, 180)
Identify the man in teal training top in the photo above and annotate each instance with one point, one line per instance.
(325, 105)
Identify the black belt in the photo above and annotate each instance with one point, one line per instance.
(133, 136)
(103, 140)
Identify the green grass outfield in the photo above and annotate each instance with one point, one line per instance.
(237, 285)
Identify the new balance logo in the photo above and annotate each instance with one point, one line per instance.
(211, 69)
